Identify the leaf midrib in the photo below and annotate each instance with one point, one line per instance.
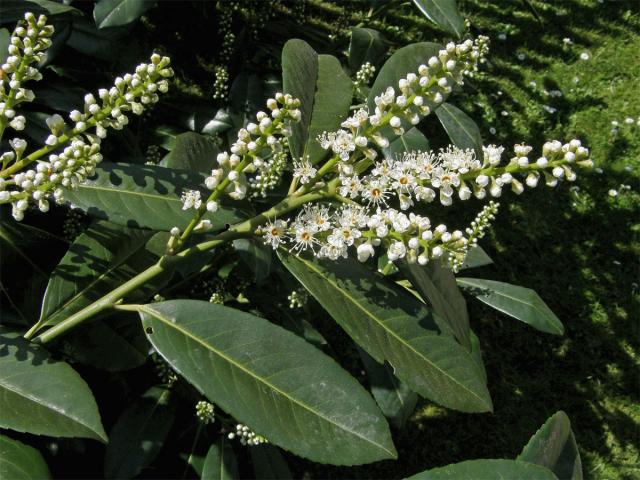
(168, 322)
(391, 332)
(115, 190)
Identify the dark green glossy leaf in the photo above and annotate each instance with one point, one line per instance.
(299, 74)
(144, 196)
(333, 94)
(107, 44)
(554, 446)
(487, 470)
(393, 326)
(518, 302)
(406, 59)
(13, 10)
(443, 13)
(113, 13)
(33, 253)
(462, 130)
(42, 396)
(139, 434)
(394, 398)
(59, 96)
(367, 45)
(324, 91)
(246, 97)
(412, 140)
(437, 286)
(230, 355)
(268, 463)
(256, 256)
(193, 152)
(21, 462)
(5, 38)
(220, 463)
(99, 260)
(476, 257)
(115, 343)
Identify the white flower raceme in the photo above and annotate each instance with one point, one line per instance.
(332, 234)
(417, 176)
(72, 151)
(258, 148)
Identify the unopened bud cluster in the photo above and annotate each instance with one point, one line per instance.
(255, 150)
(27, 46)
(246, 436)
(205, 412)
(363, 77)
(417, 95)
(73, 150)
(298, 298)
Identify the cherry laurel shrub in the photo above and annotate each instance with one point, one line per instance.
(355, 228)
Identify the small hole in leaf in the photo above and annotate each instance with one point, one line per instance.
(149, 330)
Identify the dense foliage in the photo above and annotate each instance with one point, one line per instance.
(244, 202)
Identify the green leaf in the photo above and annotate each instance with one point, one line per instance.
(487, 470)
(554, 446)
(220, 463)
(265, 376)
(193, 152)
(43, 396)
(462, 130)
(392, 325)
(21, 462)
(325, 93)
(333, 94)
(14, 10)
(99, 260)
(256, 256)
(299, 74)
(5, 38)
(108, 44)
(394, 398)
(476, 257)
(405, 60)
(443, 13)
(410, 141)
(116, 343)
(268, 463)
(139, 434)
(520, 303)
(437, 286)
(367, 45)
(144, 196)
(113, 13)
(245, 98)
(32, 252)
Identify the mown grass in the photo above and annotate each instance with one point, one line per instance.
(577, 247)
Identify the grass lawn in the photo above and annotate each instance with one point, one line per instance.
(577, 247)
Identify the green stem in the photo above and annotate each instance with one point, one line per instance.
(168, 262)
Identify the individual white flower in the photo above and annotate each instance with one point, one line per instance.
(304, 171)
(396, 251)
(274, 233)
(191, 199)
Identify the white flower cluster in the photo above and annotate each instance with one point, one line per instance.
(417, 96)
(269, 177)
(330, 234)
(27, 45)
(66, 169)
(205, 412)
(363, 77)
(246, 436)
(416, 176)
(256, 148)
(73, 151)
